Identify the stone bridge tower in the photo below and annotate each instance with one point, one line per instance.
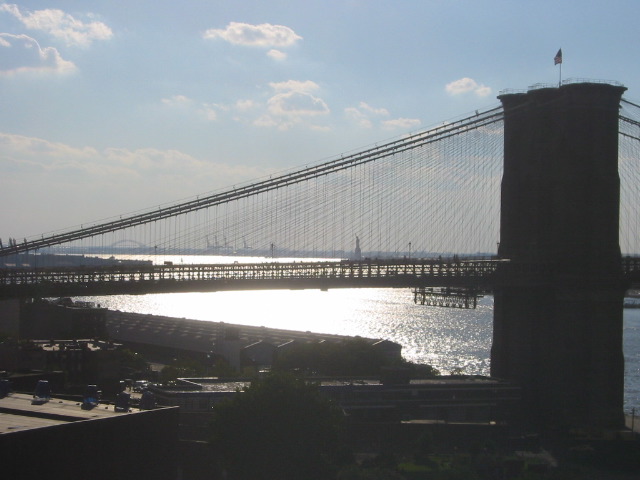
(558, 333)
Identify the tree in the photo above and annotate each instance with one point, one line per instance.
(352, 357)
(182, 367)
(279, 427)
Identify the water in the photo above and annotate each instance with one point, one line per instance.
(445, 338)
(632, 359)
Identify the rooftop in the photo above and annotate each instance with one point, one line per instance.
(200, 335)
(18, 413)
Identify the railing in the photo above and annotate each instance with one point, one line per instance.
(148, 278)
(122, 279)
(567, 81)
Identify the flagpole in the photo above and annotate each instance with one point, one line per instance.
(560, 76)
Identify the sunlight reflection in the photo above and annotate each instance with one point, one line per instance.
(445, 338)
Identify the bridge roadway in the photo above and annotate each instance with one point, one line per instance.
(385, 273)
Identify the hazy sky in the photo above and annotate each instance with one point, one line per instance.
(110, 107)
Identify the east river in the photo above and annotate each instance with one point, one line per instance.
(446, 338)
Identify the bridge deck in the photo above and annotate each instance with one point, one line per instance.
(137, 279)
(147, 278)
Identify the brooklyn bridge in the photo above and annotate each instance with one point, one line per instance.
(534, 200)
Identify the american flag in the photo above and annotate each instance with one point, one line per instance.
(558, 58)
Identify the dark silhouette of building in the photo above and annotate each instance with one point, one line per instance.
(61, 318)
(558, 315)
(62, 439)
(369, 405)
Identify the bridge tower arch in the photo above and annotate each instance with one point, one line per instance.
(558, 333)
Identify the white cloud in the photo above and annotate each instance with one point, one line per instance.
(61, 25)
(292, 104)
(22, 54)
(291, 108)
(145, 160)
(466, 85)
(208, 110)
(178, 101)
(364, 116)
(277, 54)
(244, 105)
(184, 104)
(296, 104)
(375, 111)
(358, 117)
(36, 171)
(263, 35)
(295, 86)
(401, 123)
(266, 121)
(48, 157)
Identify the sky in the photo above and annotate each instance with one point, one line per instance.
(113, 107)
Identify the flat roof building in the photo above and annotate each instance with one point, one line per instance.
(60, 439)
